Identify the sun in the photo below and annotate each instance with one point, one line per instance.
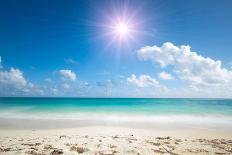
(121, 26)
(122, 29)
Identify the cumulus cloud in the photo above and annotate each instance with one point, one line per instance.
(165, 76)
(12, 82)
(201, 72)
(12, 77)
(68, 74)
(142, 80)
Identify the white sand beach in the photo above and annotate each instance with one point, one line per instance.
(115, 140)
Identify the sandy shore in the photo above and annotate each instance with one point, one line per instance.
(112, 140)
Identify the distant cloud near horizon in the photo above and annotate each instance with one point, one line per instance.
(13, 82)
(67, 74)
(142, 80)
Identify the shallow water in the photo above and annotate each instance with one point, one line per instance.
(119, 109)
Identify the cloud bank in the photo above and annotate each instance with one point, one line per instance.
(14, 83)
(201, 73)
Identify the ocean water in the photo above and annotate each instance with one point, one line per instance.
(119, 109)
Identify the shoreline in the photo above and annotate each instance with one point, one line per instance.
(122, 117)
(192, 133)
(181, 130)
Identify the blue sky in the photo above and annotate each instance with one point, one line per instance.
(66, 48)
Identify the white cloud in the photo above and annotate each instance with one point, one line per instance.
(67, 74)
(12, 77)
(147, 86)
(202, 73)
(12, 82)
(142, 80)
(165, 76)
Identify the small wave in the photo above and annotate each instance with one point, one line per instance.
(143, 118)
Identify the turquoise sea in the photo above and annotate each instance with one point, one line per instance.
(119, 109)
